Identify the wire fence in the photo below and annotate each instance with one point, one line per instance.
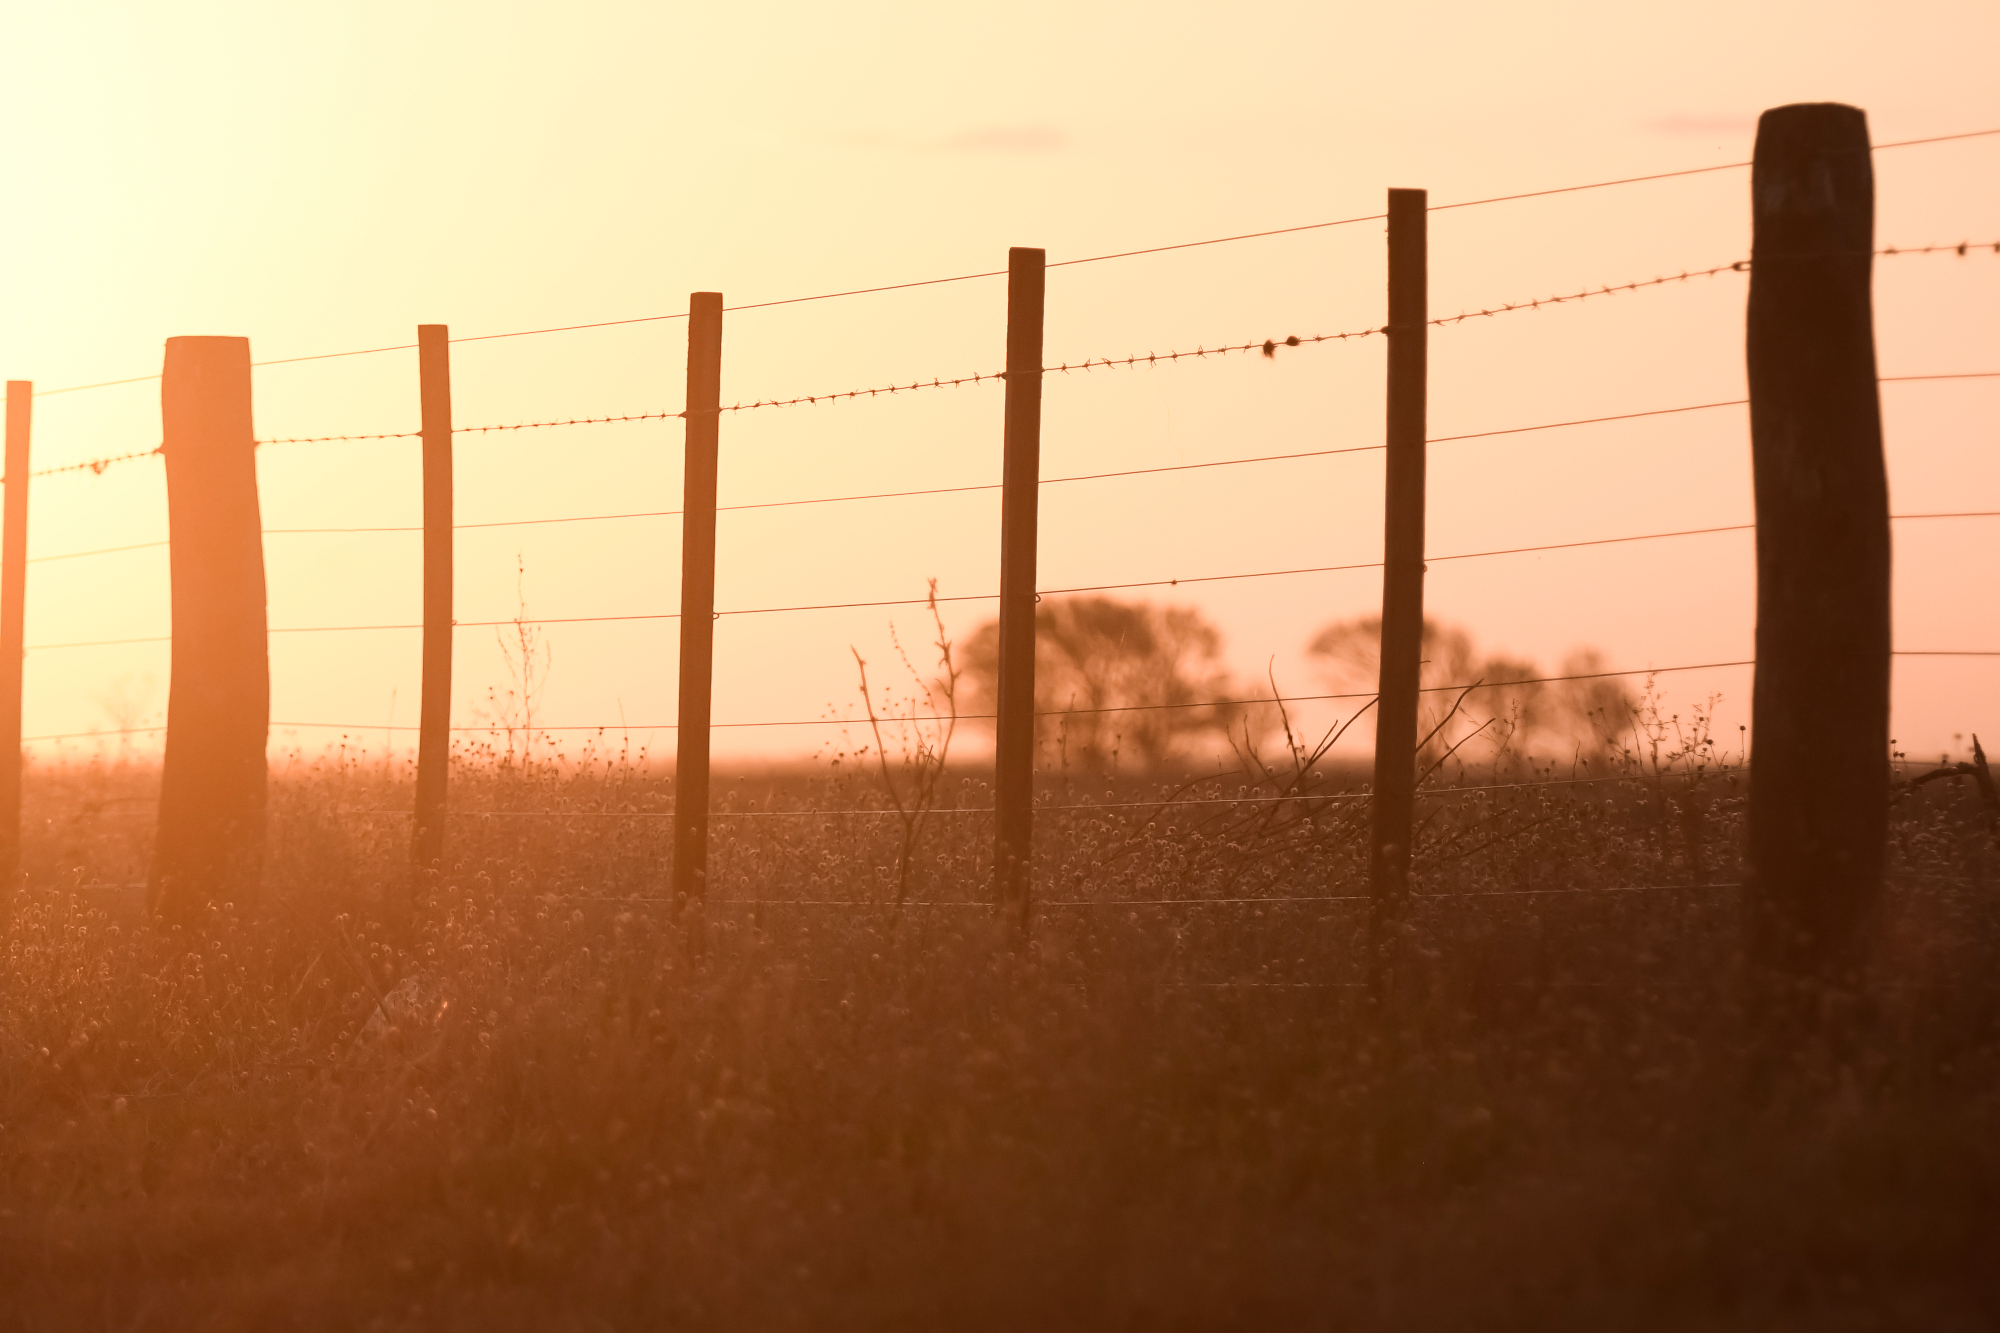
(1269, 347)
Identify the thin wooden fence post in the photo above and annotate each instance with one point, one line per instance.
(13, 600)
(704, 411)
(1819, 755)
(434, 720)
(1394, 804)
(1021, 469)
(210, 844)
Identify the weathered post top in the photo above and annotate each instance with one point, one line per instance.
(1812, 184)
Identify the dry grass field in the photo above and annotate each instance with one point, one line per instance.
(1176, 1107)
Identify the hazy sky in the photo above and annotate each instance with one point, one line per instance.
(320, 178)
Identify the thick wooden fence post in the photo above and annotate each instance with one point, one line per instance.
(704, 411)
(434, 719)
(1021, 479)
(1394, 805)
(13, 599)
(210, 843)
(1819, 755)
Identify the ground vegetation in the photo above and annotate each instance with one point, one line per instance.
(1174, 1105)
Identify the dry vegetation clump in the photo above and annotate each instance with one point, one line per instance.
(1176, 1107)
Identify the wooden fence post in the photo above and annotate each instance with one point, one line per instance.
(1819, 757)
(1021, 475)
(13, 599)
(1402, 580)
(434, 720)
(704, 411)
(210, 844)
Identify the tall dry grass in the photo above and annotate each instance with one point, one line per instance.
(1174, 1108)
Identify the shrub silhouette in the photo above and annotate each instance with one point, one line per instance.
(1515, 706)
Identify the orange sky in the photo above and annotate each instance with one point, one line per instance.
(325, 178)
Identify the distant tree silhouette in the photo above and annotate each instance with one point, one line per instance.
(1514, 707)
(1101, 653)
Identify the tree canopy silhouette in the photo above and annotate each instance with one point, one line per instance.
(1102, 667)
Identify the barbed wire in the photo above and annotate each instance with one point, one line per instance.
(572, 421)
(470, 430)
(1961, 249)
(1061, 263)
(1094, 476)
(96, 466)
(846, 395)
(328, 439)
(913, 386)
(1268, 346)
(557, 422)
(1740, 266)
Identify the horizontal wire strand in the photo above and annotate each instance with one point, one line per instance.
(987, 597)
(1267, 346)
(1062, 263)
(1322, 797)
(994, 486)
(626, 727)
